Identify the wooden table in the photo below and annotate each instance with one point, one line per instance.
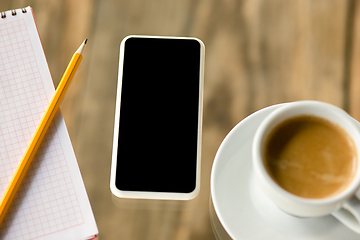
(258, 53)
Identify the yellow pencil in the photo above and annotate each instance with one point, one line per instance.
(40, 132)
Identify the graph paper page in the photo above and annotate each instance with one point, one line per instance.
(52, 202)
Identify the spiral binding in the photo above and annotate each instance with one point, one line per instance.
(13, 12)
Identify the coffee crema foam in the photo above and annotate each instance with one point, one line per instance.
(310, 157)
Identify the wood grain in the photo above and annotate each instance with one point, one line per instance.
(354, 63)
(258, 53)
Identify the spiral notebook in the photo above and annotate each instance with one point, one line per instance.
(52, 202)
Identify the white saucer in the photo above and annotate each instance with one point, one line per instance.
(243, 209)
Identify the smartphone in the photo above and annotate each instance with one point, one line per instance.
(158, 118)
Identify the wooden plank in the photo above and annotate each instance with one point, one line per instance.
(354, 85)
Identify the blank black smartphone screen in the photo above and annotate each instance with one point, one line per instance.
(158, 129)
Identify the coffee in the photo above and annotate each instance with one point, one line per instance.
(310, 157)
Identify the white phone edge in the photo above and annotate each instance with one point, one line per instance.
(156, 195)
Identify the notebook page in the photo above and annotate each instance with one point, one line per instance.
(52, 202)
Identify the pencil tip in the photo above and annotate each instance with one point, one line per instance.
(80, 49)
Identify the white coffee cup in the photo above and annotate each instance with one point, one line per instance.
(344, 206)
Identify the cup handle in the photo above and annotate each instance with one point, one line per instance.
(349, 214)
